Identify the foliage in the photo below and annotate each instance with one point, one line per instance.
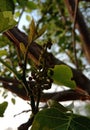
(52, 24)
(63, 76)
(62, 118)
(53, 118)
(6, 17)
(3, 107)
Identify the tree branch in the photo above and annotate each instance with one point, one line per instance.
(17, 36)
(65, 95)
(81, 26)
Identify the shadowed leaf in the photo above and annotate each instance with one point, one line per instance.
(3, 107)
(54, 119)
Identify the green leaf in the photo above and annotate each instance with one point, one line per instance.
(3, 107)
(41, 31)
(28, 18)
(3, 52)
(7, 5)
(17, 14)
(53, 119)
(4, 94)
(31, 5)
(22, 48)
(6, 21)
(32, 32)
(13, 101)
(22, 2)
(63, 76)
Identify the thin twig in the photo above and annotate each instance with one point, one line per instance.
(25, 111)
(28, 90)
(74, 34)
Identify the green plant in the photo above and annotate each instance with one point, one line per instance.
(34, 49)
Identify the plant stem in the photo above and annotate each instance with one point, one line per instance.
(28, 90)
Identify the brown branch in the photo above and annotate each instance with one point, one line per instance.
(81, 26)
(17, 36)
(59, 96)
(20, 92)
(12, 85)
(26, 125)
